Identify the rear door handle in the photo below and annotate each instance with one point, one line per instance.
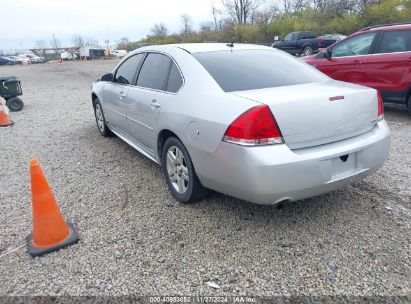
(357, 62)
(155, 104)
(122, 95)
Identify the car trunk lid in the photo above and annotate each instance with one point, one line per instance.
(319, 113)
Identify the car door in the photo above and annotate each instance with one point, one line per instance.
(145, 99)
(289, 43)
(115, 94)
(389, 68)
(347, 61)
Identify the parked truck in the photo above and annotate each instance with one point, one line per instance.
(298, 43)
(91, 53)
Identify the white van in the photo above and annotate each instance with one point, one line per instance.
(119, 53)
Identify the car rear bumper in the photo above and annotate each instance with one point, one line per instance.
(270, 174)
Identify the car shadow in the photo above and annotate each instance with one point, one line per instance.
(395, 110)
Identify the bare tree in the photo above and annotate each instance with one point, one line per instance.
(241, 11)
(55, 43)
(266, 16)
(291, 6)
(207, 26)
(159, 30)
(89, 41)
(187, 25)
(123, 44)
(216, 17)
(78, 41)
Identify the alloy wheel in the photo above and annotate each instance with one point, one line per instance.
(177, 169)
(99, 118)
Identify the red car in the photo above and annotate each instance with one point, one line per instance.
(377, 57)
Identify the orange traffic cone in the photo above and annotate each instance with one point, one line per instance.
(50, 230)
(4, 114)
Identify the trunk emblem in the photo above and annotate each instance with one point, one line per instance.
(335, 98)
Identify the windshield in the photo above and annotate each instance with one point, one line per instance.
(256, 69)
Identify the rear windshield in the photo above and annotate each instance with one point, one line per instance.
(256, 69)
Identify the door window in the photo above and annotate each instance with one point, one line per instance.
(154, 72)
(395, 41)
(126, 73)
(357, 45)
(174, 79)
(289, 37)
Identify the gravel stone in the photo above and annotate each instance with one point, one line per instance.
(135, 239)
(213, 285)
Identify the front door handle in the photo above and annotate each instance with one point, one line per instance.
(155, 104)
(357, 62)
(122, 95)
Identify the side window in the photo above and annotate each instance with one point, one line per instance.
(357, 45)
(174, 79)
(311, 35)
(154, 72)
(395, 41)
(126, 73)
(288, 37)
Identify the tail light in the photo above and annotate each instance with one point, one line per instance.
(380, 106)
(255, 127)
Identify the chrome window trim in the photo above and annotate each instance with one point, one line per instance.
(156, 90)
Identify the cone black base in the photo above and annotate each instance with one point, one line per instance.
(35, 251)
(10, 124)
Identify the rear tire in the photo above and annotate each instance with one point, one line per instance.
(100, 120)
(307, 51)
(15, 104)
(179, 172)
(409, 105)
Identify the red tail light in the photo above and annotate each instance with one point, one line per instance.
(255, 127)
(380, 106)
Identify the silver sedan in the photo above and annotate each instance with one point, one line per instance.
(245, 120)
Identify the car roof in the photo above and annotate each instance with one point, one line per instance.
(209, 47)
(387, 27)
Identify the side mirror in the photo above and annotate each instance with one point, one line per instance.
(327, 54)
(107, 77)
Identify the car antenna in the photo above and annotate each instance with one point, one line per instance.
(231, 45)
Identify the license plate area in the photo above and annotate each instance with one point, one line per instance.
(343, 164)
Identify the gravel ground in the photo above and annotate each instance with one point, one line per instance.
(136, 239)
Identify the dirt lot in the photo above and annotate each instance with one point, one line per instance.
(136, 239)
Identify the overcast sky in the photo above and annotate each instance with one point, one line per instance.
(23, 22)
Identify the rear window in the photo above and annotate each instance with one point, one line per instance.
(395, 42)
(256, 69)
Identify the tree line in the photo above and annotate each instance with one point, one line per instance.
(259, 21)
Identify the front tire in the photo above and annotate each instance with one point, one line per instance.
(100, 120)
(307, 51)
(179, 173)
(15, 104)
